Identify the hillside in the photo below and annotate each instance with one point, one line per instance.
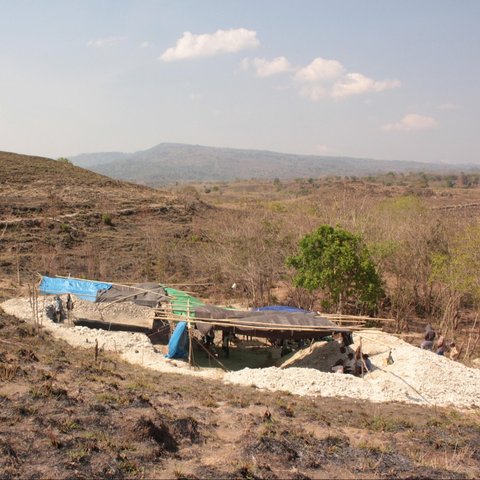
(57, 217)
(32, 184)
(169, 162)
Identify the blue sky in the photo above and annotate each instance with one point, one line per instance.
(379, 79)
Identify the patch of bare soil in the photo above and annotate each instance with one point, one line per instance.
(65, 415)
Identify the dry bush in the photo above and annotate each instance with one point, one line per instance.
(248, 249)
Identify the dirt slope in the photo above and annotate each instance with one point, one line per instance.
(65, 414)
(55, 217)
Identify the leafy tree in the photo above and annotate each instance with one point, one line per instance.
(339, 263)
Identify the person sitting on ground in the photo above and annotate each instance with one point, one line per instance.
(429, 337)
(349, 365)
(454, 352)
(441, 345)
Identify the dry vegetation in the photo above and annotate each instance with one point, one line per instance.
(64, 414)
(104, 418)
(422, 231)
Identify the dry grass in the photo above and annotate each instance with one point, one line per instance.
(118, 421)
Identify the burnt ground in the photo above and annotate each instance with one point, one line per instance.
(65, 415)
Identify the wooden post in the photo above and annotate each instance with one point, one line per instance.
(190, 353)
(361, 357)
(33, 299)
(17, 258)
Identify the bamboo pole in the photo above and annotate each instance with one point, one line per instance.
(260, 325)
(267, 326)
(145, 290)
(111, 283)
(247, 323)
(361, 358)
(168, 285)
(354, 317)
(212, 356)
(189, 325)
(349, 318)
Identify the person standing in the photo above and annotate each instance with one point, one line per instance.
(69, 309)
(58, 307)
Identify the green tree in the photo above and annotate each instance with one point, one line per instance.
(339, 263)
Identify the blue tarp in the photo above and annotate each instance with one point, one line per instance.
(84, 289)
(178, 344)
(281, 308)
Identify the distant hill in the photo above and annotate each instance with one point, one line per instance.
(87, 160)
(170, 162)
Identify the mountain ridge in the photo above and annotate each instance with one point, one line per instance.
(172, 162)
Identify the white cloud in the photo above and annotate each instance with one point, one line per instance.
(321, 78)
(104, 42)
(327, 78)
(274, 67)
(411, 122)
(266, 68)
(208, 44)
(358, 84)
(320, 70)
(145, 44)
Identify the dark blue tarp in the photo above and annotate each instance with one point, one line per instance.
(84, 289)
(281, 308)
(178, 344)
